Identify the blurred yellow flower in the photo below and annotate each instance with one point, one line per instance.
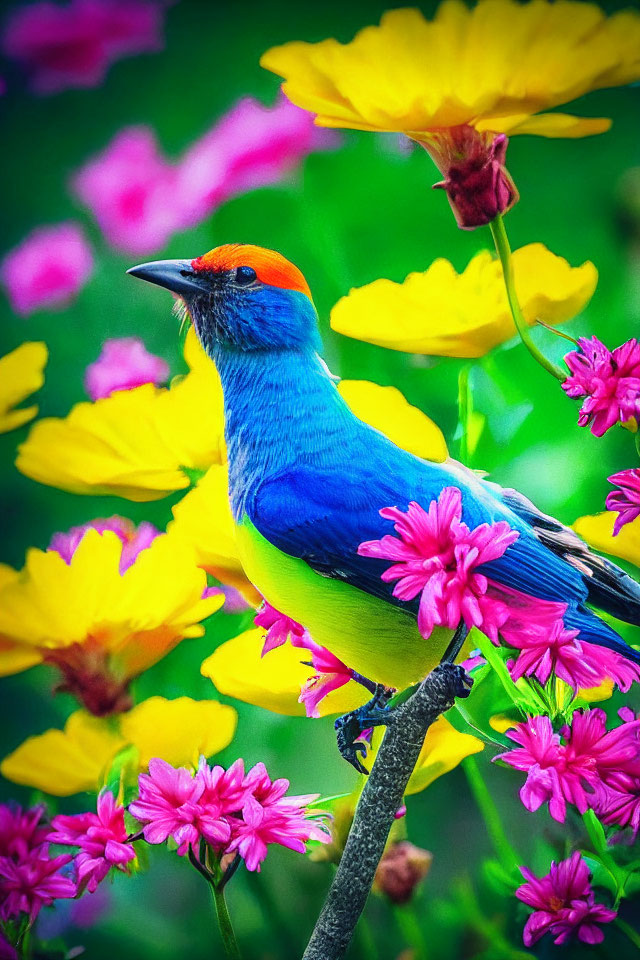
(21, 374)
(62, 762)
(444, 313)
(386, 409)
(98, 626)
(238, 670)
(494, 67)
(597, 530)
(134, 443)
(443, 749)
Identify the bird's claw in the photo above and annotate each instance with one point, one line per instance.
(457, 677)
(352, 725)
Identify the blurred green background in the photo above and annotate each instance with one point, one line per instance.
(346, 218)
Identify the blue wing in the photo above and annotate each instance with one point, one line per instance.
(321, 513)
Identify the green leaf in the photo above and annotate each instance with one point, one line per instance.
(123, 769)
(596, 833)
(521, 694)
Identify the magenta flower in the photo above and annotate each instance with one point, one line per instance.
(436, 556)
(123, 364)
(279, 628)
(21, 832)
(7, 951)
(564, 903)
(284, 821)
(131, 190)
(101, 837)
(47, 269)
(169, 806)
(32, 882)
(610, 381)
(134, 539)
(224, 790)
(571, 771)
(558, 651)
(626, 500)
(250, 146)
(331, 674)
(73, 45)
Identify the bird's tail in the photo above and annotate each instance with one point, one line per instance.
(594, 630)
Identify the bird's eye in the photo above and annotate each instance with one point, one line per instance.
(245, 275)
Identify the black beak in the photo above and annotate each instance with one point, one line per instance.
(176, 275)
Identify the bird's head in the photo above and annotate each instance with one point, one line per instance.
(241, 297)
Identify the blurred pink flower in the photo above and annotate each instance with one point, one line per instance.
(626, 500)
(123, 364)
(564, 903)
(7, 952)
(436, 555)
(101, 837)
(169, 806)
(610, 381)
(558, 651)
(250, 146)
(134, 539)
(35, 881)
(21, 832)
(73, 45)
(47, 269)
(131, 190)
(279, 628)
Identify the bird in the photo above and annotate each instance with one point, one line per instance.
(307, 481)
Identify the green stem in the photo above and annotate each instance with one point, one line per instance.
(367, 940)
(503, 250)
(464, 412)
(231, 949)
(411, 930)
(506, 854)
(628, 930)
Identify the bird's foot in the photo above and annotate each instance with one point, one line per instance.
(457, 678)
(350, 727)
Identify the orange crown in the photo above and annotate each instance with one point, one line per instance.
(271, 268)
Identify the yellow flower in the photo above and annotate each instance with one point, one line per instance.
(62, 762)
(443, 749)
(98, 626)
(386, 409)
(597, 530)
(238, 670)
(135, 443)
(444, 313)
(21, 373)
(493, 67)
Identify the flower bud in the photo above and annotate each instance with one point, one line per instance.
(400, 871)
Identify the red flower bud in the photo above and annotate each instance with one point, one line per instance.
(400, 871)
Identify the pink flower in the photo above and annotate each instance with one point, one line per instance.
(284, 821)
(224, 790)
(609, 380)
(169, 806)
(279, 628)
(134, 539)
(131, 190)
(73, 45)
(21, 833)
(331, 674)
(626, 500)
(250, 146)
(122, 365)
(101, 837)
(564, 903)
(436, 555)
(35, 881)
(558, 651)
(571, 771)
(47, 269)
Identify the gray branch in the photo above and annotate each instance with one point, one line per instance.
(379, 801)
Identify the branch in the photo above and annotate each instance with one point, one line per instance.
(375, 813)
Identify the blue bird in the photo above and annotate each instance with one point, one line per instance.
(308, 479)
